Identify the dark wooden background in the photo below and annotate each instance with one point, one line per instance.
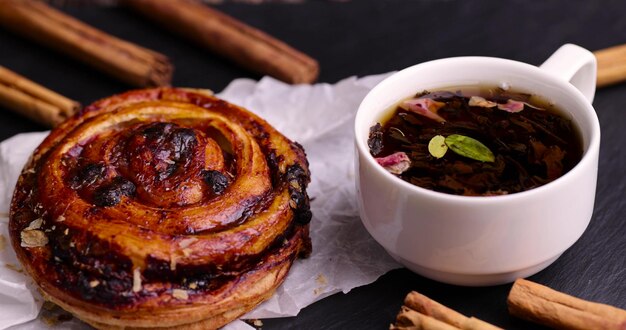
(363, 37)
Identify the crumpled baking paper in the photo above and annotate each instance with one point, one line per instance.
(320, 117)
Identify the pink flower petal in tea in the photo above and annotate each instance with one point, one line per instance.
(477, 101)
(396, 163)
(532, 106)
(511, 106)
(425, 107)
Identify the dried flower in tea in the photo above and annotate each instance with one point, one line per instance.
(396, 163)
(477, 101)
(425, 107)
(512, 106)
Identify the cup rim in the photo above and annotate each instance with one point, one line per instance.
(583, 163)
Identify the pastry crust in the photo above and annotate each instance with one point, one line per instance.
(161, 208)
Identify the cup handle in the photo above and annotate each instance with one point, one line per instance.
(576, 65)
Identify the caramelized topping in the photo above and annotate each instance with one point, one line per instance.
(216, 181)
(111, 193)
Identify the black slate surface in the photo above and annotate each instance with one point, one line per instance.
(362, 37)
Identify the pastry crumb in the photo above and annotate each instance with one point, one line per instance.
(321, 279)
(180, 294)
(173, 263)
(33, 238)
(35, 224)
(94, 283)
(61, 218)
(193, 285)
(136, 280)
(295, 184)
(3, 242)
(255, 323)
(187, 242)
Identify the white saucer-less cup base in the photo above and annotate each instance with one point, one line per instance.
(474, 279)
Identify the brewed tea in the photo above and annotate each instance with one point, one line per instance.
(476, 141)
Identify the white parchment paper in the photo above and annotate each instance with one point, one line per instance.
(320, 117)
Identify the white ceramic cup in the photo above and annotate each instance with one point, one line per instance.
(478, 241)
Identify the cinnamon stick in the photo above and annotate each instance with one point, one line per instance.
(540, 304)
(409, 319)
(128, 62)
(33, 100)
(428, 309)
(611, 65)
(222, 34)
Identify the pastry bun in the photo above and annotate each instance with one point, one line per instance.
(161, 208)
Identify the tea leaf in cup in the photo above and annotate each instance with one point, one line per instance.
(437, 146)
(469, 147)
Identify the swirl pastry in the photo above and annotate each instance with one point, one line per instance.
(161, 208)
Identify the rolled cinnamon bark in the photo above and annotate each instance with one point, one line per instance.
(540, 304)
(611, 65)
(220, 33)
(34, 101)
(427, 306)
(128, 62)
(409, 319)
(421, 312)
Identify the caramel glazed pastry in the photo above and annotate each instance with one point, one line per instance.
(161, 208)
